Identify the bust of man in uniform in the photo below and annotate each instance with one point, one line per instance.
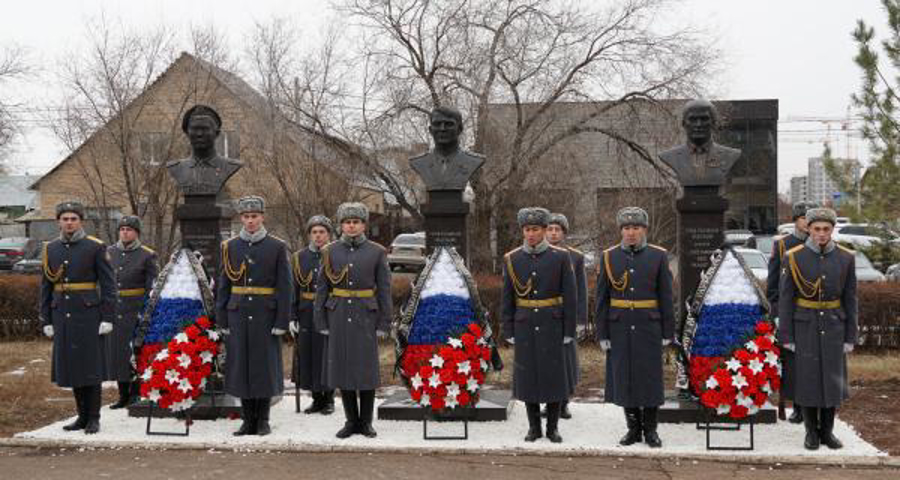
(447, 167)
(205, 172)
(700, 162)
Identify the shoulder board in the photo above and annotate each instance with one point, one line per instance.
(795, 249)
(561, 249)
(509, 253)
(657, 247)
(573, 249)
(380, 246)
(94, 239)
(848, 250)
(611, 248)
(276, 238)
(148, 249)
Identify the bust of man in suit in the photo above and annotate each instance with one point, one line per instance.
(204, 173)
(700, 162)
(447, 167)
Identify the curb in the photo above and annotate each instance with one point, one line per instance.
(844, 461)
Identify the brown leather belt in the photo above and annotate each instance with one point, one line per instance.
(543, 303)
(632, 304)
(132, 292)
(74, 287)
(252, 290)
(814, 305)
(344, 293)
(308, 295)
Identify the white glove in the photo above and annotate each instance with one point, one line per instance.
(225, 331)
(511, 341)
(48, 331)
(105, 328)
(380, 334)
(294, 327)
(790, 346)
(567, 340)
(324, 332)
(278, 332)
(605, 345)
(848, 347)
(666, 342)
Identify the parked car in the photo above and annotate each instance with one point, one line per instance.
(865, 272)
(756, 261)
(407, 251)
(33, 262)
(765, 244)
(13, 249)
(863, 234)
(786, 229)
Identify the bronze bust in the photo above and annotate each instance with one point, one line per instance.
(203, 174)
(447, 167)
(700, 162)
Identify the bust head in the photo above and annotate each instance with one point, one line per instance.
(202, 125)
(699, 118)
(445, 127)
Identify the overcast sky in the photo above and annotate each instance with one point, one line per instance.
(797, 51)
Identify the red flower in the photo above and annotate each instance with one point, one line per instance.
(204, 322)
(763, 328)
(475, 329)
(463, 398)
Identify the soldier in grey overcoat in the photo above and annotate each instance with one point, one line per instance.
(817, 306)
(254, 298)
(539, 306)
(135, 267)
(353, 307)
(557, 231)
(782, 245)
(635, 319)
(309, 350)
(76, 303)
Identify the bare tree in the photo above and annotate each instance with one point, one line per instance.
(534, 55)
(13, 66)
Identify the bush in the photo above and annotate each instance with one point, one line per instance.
(879, 314)
(19, 307)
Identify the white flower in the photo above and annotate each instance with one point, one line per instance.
(450, 402)
(162, 355)
(206, 357)
(425, 400)
(484, 365)
(202, 383)
(738, 381)
(766, 388)
(752, 346)
(148, 374)
(472, 385)
(452, 390)
(172, 376)
(184, 360)
(154, 395)
(437, 361)
(733, 364)
(723, 409)
(771, 358)
(481, 342)
(752, 410)
(711, 383)
(213, 335)
(185, 385)
(416, 381)
(181, 338)
(183, 405)
(464, 368)
(455, 343)
(435, 380)
(756, 366)
(743, 400)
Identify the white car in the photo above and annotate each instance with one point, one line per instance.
(862, 234)
(756, 261)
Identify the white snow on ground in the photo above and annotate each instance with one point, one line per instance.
(17, 372)
(595, 429)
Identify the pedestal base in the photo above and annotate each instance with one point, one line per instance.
(225, 406)
(689, 411)
(493, 406)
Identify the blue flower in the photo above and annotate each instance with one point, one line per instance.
(721, 327)
(170, 317)
(439, 316)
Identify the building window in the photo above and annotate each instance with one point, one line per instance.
(229, 144)
(153, 148)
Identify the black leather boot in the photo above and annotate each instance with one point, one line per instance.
(553, 410)
(796, 415)
(124, 396)
(81, 419)
(533, 410)
(92, 407)
(633, 421)
(648, 424)
(811, 422)
(826, 429)
(263, 406)
(327, 402)
(316, 406)
(248, 418)
(564, 412)
(351, 414)
(366, 413)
